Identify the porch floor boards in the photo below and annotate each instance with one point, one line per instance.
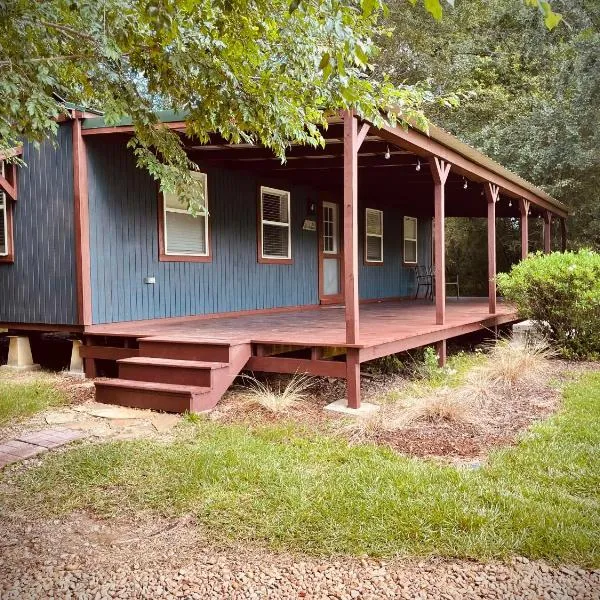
(380, 323)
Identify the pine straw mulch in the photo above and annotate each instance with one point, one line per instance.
(497, 422)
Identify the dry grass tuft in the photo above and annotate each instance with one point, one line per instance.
(444, 406)
(514, 361)
(512, 368)
(276, 398)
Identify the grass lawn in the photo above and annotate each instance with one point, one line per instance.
(296, 490)
(20, 399)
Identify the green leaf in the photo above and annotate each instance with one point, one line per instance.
(551, 19)
(325, 59)
(434, 8)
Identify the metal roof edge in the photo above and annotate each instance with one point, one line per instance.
(450, 141)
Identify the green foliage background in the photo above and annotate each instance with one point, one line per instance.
(529, 99)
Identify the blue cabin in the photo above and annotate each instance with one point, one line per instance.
(333, 258)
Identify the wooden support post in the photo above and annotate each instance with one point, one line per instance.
(440, 348)
(89, 364)
(492, 194)
(82, 229)
(351, 227)
(547, 232)
(353, 378)
(563, 234)
(524, 208)
(439, 170)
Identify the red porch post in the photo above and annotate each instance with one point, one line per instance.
(492, 193)
(524, 208)
(563, 234)
(547, 232)
(351, 144)
(439, 170)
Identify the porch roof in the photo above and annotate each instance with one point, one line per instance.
(407, 145)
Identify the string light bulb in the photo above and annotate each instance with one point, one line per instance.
(510, 203)
(387, 153)
(418, 167)
(465, 184)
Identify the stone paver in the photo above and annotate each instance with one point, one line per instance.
(33, 443)
(51, 438)
(15, 451)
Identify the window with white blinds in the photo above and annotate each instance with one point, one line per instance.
(3, 218)
(374, 236)
(410, 240)
(185, 234)
(276, 236)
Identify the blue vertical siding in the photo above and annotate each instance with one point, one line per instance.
(39, 287)
(124, 247)
(392, 278)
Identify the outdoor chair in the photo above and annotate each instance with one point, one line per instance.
(424, 279)
(453, 283)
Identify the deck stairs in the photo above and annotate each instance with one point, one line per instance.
(175, 374)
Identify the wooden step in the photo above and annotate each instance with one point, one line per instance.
(156, 396)
(169, 370)
(185, 349)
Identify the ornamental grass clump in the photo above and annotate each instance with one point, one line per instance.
(277, 397)
(560, 292)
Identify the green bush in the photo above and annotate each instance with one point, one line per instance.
(561, 292)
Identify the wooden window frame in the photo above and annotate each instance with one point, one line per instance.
(163, 256)
(367, 261)
(7, 223)
(273, 260)
(415, 240)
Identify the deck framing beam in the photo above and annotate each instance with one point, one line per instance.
(279, 364)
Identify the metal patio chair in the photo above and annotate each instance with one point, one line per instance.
(454, 283)
(423, 279)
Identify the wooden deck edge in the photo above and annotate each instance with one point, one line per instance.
(431, 337)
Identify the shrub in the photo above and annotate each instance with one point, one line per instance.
(561, 292)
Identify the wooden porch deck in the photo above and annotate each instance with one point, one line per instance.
(381, 323)
(188, 363)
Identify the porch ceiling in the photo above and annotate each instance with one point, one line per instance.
(389, 175)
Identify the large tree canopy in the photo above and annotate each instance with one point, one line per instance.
(530, 98)
(269, 71)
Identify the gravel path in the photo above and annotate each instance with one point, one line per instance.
(80, 557)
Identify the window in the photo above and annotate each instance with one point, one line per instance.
(185, 237)
(6, 254)
(3, 225)
(374, 236)
(275, 244)
(410, 240)
(330, 228)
